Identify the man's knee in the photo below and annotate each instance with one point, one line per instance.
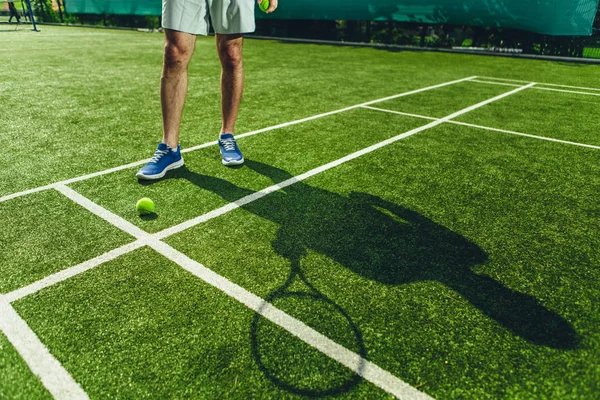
(230, 53)
(177, 54)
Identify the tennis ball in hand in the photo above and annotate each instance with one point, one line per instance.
(264, 5)
(145, 206)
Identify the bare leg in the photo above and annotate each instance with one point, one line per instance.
(179, 47)
(229, 48)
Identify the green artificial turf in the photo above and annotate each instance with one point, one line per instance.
(444, 101)
(465, 268)
(16, 380)
(84, 100)
(557, 115)
(142, 327)
(461, 260)
(44, 233)
(186, 193)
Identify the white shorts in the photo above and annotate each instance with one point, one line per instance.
(192, 16)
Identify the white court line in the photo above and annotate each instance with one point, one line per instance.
(72, 271)
(54, 377)
(208, 144)
(348, 358)
(507, 79)
(539, 83)
(536, 87)
(496, 83)
(486, 128)
(103, 213)
(568, 91)
(262, 193)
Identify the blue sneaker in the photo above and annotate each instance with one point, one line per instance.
(230, 152)
(165, 158)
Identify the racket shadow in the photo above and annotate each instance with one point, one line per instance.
(268, 355)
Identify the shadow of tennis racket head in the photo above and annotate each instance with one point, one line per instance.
(293, 365)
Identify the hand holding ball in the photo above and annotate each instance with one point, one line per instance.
(264, 5)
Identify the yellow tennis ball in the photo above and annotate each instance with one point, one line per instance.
(145, 206)
(264, 5)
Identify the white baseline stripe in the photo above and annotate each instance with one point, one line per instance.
(487, 128)
(26, 192)
(536, 87)
(567, 91)
(506, 79)
(213, 143)
(72, 271)
(539, 83)
(496, 83)
(262, 193)
(43, 364)
(348, 358)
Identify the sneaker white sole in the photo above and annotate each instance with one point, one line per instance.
(233, 162)
(169, 167)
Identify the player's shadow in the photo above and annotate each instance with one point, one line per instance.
(390, 244)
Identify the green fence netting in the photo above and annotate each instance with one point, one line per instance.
(552, 17)
(119, 7)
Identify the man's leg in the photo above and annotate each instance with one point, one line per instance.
(179, 47)
(229, 47)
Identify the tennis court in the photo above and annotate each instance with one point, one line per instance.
(417, 225)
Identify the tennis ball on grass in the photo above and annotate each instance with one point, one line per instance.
(264, 5)
(145, 206)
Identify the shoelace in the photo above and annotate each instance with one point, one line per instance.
(158, 155)
(228, 144)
